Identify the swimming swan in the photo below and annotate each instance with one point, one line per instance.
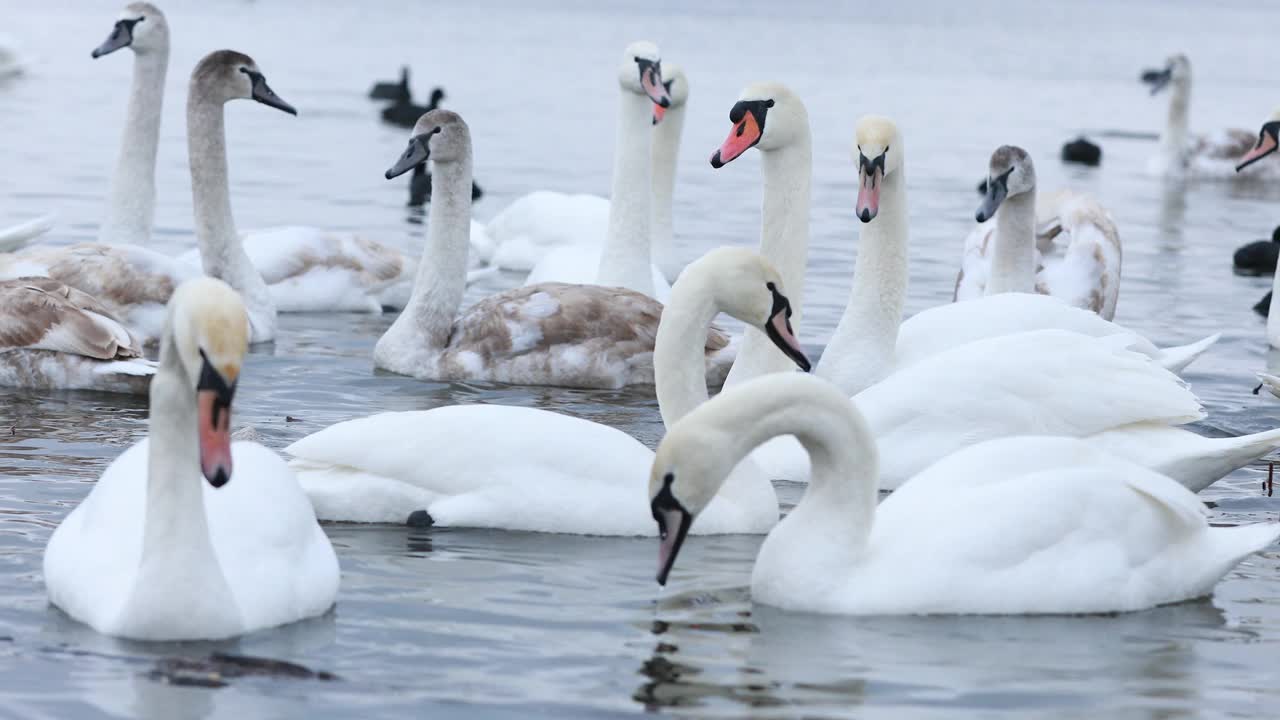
(625, 257)
(549, 334)
(1021, 525)
(155, 553)
(521, 468)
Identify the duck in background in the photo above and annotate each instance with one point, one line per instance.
(1258, 257)
(404, 113)
(1079, 151)
(397, 91)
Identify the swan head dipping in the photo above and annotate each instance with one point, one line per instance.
(1010, 173)
(1268, 140)
(1176, 72)
(641, 73)
(767, 115)
(677, 86)
(141, 27)
(226, 75)
(440, 135)
(210, 334)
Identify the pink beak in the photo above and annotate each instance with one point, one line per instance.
(214, 431)
(1266, 145)
(868, 194)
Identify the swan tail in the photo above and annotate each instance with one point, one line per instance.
(481, 272)
(1215, 458)
(1233, 544)
(1176, 359)
(16, 236)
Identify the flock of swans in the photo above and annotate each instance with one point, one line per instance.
(1035, 448)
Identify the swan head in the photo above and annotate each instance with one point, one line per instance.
(641, 72)
(746, 286)
(141, 27)
(768, 116)
(1176, 71)
(877, 148)
(225, 75)
(1010, 173)
(440, 135)
(1268, 140)
(209, 328)
(677, 86)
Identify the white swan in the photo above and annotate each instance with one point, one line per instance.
(1001, 253)
(549, 334)
(1184, 155)
(56, 337)
(15, 236)
(869, 344)
(1022, 525)
(771, 118)
(153, 553)
(625, 258)
(526, 469)
(538, 224)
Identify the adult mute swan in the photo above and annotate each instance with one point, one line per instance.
(548, 334)
(57, 338)
(625, 257)
(771, 118)
(1001, 255)
(153, 553)
(521, 468)
(1022, 525)
(1184, 155)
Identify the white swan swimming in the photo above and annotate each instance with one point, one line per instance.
(156, 553)
(772, 119)
(306, 269)
(1021, 525)
(869, 346)
(542, 222)
(625, 257)
(1184, 155)
(56, 337)
(549, 334)
(1001, 253)
(522, 468)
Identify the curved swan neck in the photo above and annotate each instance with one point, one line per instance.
(861, 350)
(1273, 315)
(442, 272)
(221, 252)
(131, 210)
(1013, 258)
(679, 367)
(626, 257)
(838, 508)
(784, 241)
(666, 148)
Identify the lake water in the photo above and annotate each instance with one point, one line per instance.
(489, 624)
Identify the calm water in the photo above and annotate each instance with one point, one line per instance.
(456, 622)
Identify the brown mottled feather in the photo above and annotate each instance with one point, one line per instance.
(44, 314)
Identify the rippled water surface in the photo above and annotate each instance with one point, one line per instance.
(456, 622)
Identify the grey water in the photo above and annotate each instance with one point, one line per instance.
(489, 624)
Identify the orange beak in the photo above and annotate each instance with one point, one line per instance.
(744, 135)
(1266, 145)
(659, 112)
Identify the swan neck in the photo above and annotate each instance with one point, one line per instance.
(1174, 137)
(666, 148)
(442, 273)
(679, 365)
(131, 208)
(1273, 315)
(222, 253)
(625, 260)
(784, 241)
(861, 350)
(1013, 261)
(174, 526)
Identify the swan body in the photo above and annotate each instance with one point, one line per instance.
(548, 334)
(579, 264)
(155, 552)
(526, 469)
(530, 227)
(15, 237)
(1183, 154)
(1074, 255)
(1019, 525)
(54, 337)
